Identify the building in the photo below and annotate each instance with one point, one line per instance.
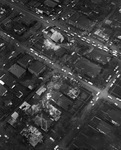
(19, 29)
(25, 106)
(103, 34)
(80, 21)
(51, 110)
(50, 3)
(2, 44)
(3, 90)
(17, 70)
(105, 128)
(54, 35)
(8, 79)
(37, 68)
(115, 116)
(33, 135)
(99, 56)
(61, 52)
(43, 121)
(41, 90)
(64, 102)
(19, 90)
(72, 92)
(64, 88)
(87, 68)
(13, 119)
(5, 11)
(25, 61)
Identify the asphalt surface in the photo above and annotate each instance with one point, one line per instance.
(98, 93)
(66, 71)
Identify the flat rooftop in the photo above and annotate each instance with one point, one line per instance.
(17, 70)
(36, 68)
(87, 67)
(3, 90)
(25, 60)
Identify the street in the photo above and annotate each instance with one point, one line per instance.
(66, 71)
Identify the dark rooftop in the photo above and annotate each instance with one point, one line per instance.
(3, 90)
(64, 102)
(36, 68)
(17, 70)
(50, 3)
(25, 60)
(8, 80)
(88, 67)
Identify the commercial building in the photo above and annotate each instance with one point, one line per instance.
(25, 60)
(37, 68)
(17, 70)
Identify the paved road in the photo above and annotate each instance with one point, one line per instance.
(64, 70)
(49, 22)
(34, 53)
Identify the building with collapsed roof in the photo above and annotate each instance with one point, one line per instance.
(43, 121)
(13, 119)
(33, 135)
(72, 92)
(51, 110)
(54, 35)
